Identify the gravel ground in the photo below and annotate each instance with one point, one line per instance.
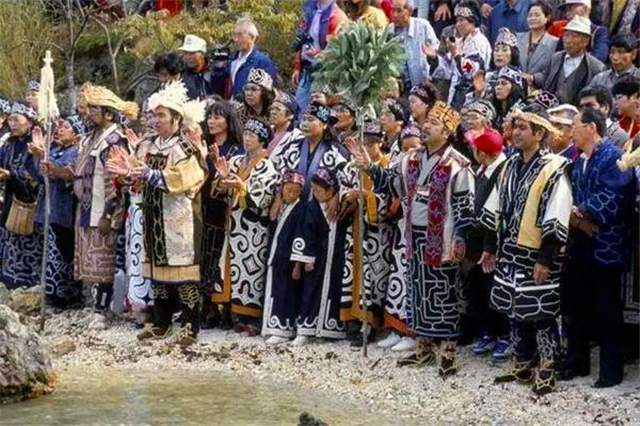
(411, 395)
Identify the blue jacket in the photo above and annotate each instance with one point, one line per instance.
(605, 195)
(62, 197)
(504, 16)
(256, 59)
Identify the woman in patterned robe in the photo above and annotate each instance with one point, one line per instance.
(250, 180)
(21, 254)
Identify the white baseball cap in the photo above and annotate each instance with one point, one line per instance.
(583, 2)
(193, 44)
(579, 24)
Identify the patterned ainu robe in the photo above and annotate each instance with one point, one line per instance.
(529, 207)
(94, 186)
(368, 301)
(244, 259)
(282, 294)
(170, 209)
(320, 242)
(439, 188)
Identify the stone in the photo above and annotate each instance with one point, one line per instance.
(25, 365)
(5, 296)
(63, 346)
(26, 301)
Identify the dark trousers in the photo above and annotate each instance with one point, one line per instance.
(533, 339)
(483, 319)
(594, 311)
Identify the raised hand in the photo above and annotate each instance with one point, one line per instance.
(488, 262)
(133, 138)
(222, 167)
(360, 156)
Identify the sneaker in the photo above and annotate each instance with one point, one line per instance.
(98, 322)
(391, 340)
(484, 345)
(300, 341)
(406, 343)
(503, 351)
(276, 340)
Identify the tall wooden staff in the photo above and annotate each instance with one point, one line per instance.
(357, 64)
(48, 112)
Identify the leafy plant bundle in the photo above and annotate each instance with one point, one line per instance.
(358, 63)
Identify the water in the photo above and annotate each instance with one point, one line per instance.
(110, 396)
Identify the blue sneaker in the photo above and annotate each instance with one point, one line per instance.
(484, 345)
(503, 351)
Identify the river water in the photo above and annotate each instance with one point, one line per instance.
(177, 397)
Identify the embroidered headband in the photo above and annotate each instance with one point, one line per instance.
(535, 119)
(5, 106)
(287, 100)
(411, 131)
(326, 178)
(514, 76)
(293, 176)
(463, 12)
(76, 124)
(25, 110)
(260, 77)
(422, 94)
(33, 86)
(505, 36)
(560, 114)
(319, 111)
(373, 128)
(482, 107)
(260, 129)
(543, 98)
(443, 112)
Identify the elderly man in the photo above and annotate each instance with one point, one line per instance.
(622, 55)
(416, 33)
(247, 56)
(529, 208)
(599, 35)
(196, 76)
(572, 68)
(598, 251)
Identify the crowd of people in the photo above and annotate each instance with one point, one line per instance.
(497, 186)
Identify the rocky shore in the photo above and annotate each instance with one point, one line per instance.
(410, 395)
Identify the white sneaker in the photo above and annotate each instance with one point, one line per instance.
(98, 322)
(300, 341)
(276, 340)
(405, 344)
(391, 340)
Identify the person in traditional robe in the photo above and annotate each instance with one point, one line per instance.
(599, 250)
(100, 212)
(317, 149)
(257, 96)
(31, 95)
(60, 288)
(400, 338)
(421, 99)
(529, 209)
(376, 237)
(20, 240)
(223, 137)
(490, 328)
(250, 181)
(5, 111)
(317, 246)
(171, 172)
(282, 114)
(439, 186)
(283, 289)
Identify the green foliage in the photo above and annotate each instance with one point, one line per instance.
(25, 35)
(359, 62)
